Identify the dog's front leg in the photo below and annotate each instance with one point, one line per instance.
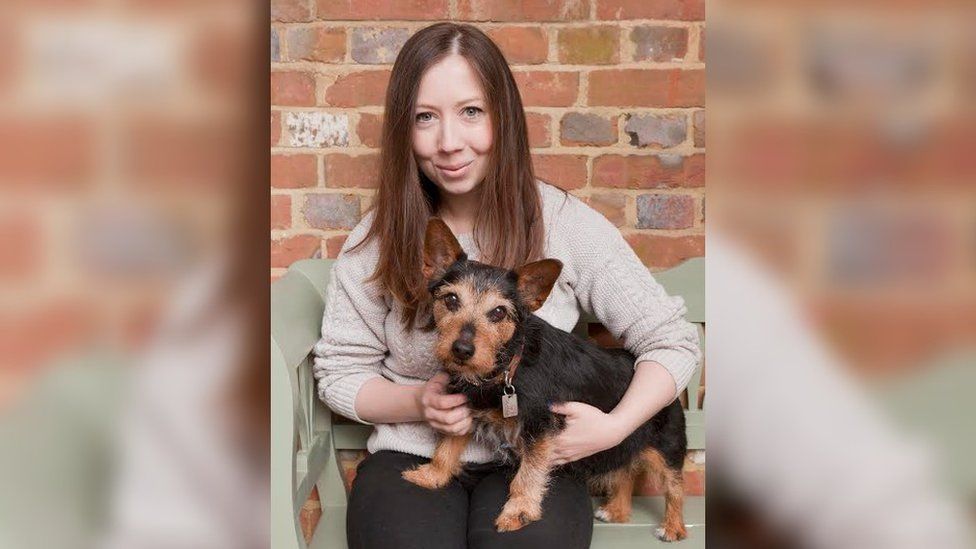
(528, 488)
(444, 466)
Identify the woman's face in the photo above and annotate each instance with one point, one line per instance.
(451, 127)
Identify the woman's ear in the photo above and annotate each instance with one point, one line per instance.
(441, 249)
(535, 281)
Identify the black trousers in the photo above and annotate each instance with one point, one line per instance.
(387, 512)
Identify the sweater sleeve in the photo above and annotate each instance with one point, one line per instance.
(353, 342)
(611, 282)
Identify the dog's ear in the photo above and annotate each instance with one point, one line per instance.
(535, 281)
(441, 249)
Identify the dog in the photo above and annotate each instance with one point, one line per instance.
(512, 365)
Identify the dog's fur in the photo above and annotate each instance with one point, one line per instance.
(485, 325)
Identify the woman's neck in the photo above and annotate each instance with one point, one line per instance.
(460, 211)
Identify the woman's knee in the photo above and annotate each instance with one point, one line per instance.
(567, 517)
(385, 511)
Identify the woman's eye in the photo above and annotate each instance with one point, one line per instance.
(472, 111)
(497, 314)
(424, 117)
(452, 302)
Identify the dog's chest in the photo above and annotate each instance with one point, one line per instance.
(498, 432)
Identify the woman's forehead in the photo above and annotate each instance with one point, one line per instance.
(448, 83)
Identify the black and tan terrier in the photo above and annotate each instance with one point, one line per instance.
(512, 365)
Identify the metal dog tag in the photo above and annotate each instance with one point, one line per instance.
(509, 405)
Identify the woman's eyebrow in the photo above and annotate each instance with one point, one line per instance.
(425, 106)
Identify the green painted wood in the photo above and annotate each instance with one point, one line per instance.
(935, 404)
(317, 271)
(350, 436)
(688, 281)
(296, 316)
(285, 529)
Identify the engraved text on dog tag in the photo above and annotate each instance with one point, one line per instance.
(510, 405)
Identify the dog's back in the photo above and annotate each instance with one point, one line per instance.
(561, 367)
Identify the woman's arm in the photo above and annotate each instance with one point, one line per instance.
(382, 401)
(589, 430)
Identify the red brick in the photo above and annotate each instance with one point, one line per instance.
(324, 45)
(591, 45)
(275, 128)
(358, 89)
(661, 44)
(47, 153)
(344, 171)
(20, 246)
(562, 170)
(520, 10)
(647, 88)
(522, 45)
(695, 170)
(370, 129)
(664, 252)
(334, 245)
(280, 211)
(547, 88)
(648, 172)
(33, 338)
(701, 46)
(410, 10)
(612, 205)
(285, 251)
(578, 128)
(682, 10)
(294, 89)
(290, 11)
(168, 151)
(665, 211)
(539, 133)
(293, 171)
(699, 120)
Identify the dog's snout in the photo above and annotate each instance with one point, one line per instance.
(462, 349)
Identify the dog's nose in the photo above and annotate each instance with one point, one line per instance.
(462, 350)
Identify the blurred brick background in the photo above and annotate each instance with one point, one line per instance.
(118, 128)
(613, 90)
(614, 93)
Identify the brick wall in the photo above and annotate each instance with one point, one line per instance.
(613, 92)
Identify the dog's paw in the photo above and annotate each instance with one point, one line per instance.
(609, 514)
(516, 514)
(671, 534)
(426, 476)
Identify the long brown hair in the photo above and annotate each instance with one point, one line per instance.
(508, 229)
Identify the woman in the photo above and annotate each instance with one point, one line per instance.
(455, 146)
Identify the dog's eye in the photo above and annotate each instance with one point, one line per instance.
(452, 302)
(497, 314)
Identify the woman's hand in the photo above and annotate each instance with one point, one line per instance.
(447, 414)
(588, 431)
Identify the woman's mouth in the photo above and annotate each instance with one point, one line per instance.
(455, 171)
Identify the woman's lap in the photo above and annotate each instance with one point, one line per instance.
(386, 511)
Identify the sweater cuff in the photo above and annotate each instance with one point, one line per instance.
(678, 363)
(341, 395)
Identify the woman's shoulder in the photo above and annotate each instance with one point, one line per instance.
(566, 215)
(358, 254)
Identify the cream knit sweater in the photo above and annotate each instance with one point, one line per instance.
(362, 337)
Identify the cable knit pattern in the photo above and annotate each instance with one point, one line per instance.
(362, 337)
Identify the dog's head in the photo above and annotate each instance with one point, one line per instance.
(478, 308)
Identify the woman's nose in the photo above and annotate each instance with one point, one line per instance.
(450, 139)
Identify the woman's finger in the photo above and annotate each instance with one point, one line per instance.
(445, 402)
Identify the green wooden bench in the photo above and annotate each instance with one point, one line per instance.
(305, 440)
